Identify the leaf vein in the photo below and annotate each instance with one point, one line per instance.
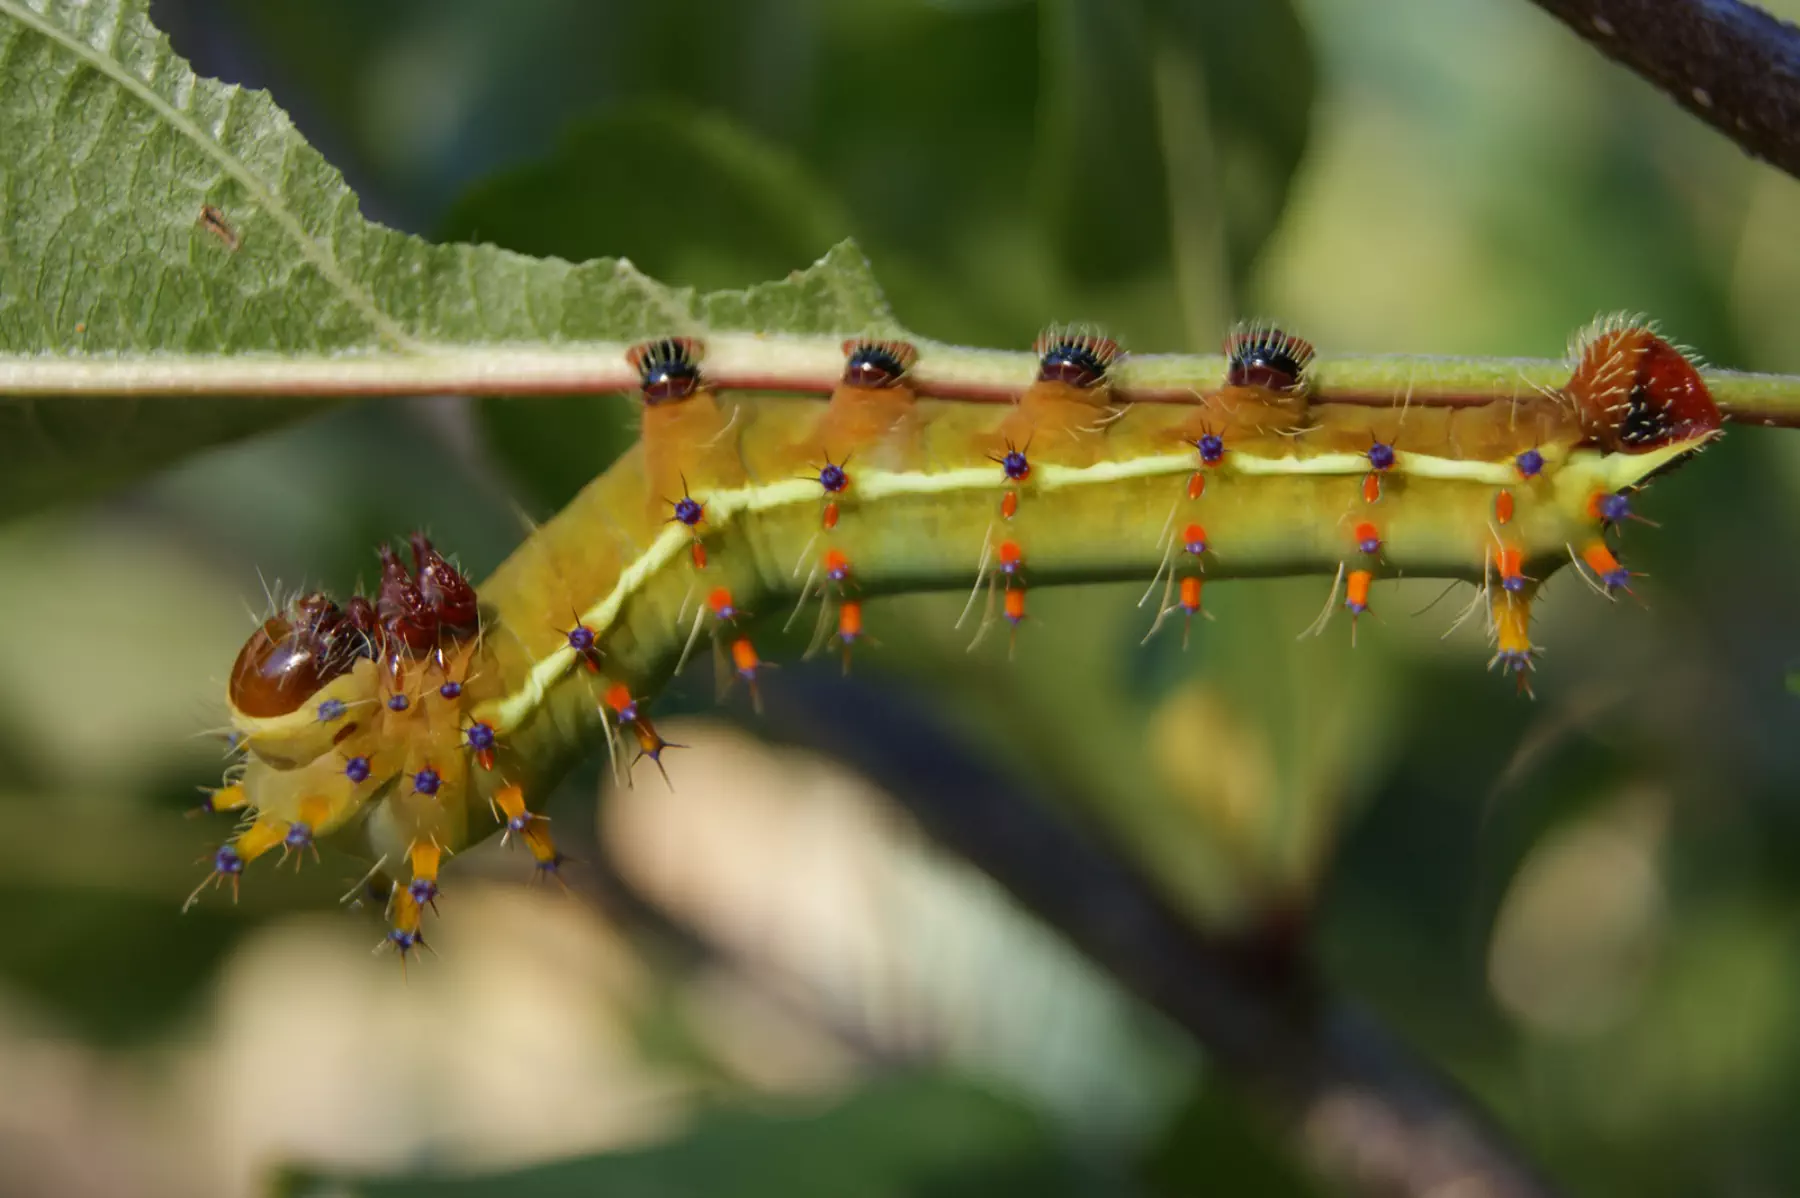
(321, 258)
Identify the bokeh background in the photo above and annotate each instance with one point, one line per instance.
(1585, 908)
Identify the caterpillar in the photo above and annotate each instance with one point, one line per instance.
(417, 721)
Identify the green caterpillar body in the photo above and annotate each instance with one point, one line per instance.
(413, 734)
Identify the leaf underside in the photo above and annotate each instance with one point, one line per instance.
(114, 148)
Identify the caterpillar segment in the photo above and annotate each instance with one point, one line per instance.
(872, 412)
(426, 715)
(1065, 410)
(686, 431)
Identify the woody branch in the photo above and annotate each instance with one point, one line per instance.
(1729, 63)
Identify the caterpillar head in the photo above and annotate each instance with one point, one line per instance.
(360, 716)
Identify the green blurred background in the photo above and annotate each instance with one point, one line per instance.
(1586, 908)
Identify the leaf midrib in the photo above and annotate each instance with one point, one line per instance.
(384, 326)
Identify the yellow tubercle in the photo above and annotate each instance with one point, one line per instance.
(265, 834)
(426, 856)
(1514, 652)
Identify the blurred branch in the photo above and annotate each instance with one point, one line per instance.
(1731, 64)
(1358, 1104)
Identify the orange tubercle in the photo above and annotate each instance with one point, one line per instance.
(1605, 566)
(1371, 488)
(1196, 485)
(259, 838)
(1190, 594)
(536, 836)
(1599, 557)
(699, 552)
(829, 518)
(720, 602)
(227, 798)
(850, 619)
(1009, 505)
(744, 658)
(1015, 604)
(407, 913)
(1508, 561)
(426, 857)
(511, 800)
(1503, 507)
(1356, 591)
(618, 696)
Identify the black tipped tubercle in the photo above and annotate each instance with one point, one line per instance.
(668, 368)
(1265, 356)
(1076, 357)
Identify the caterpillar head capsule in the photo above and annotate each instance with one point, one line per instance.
(360, 721)
(295, 654)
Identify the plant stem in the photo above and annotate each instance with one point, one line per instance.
(813, 366)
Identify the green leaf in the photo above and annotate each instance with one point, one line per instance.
(744, 209)
(909, 1136)
(113, 149)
